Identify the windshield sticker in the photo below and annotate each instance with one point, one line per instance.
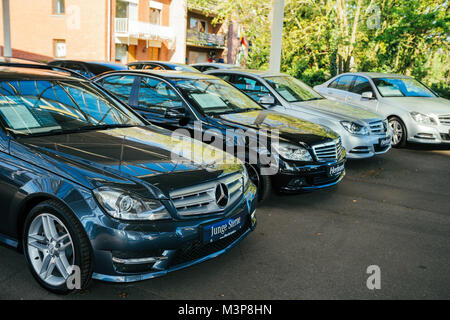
(286, 94)
(390, 91)
(19, 117)
(207, 100)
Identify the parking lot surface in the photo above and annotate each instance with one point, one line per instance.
(392, 211)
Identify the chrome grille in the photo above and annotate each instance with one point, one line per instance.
(201, 199)
(377, 127)
(445, 119)
(328, 151)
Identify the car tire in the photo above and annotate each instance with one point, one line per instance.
(262, 182)
(53, 241)
(399, 132)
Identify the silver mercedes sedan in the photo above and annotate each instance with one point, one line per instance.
(363, 133)
(415, 113)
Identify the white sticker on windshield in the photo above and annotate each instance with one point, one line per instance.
(207, 100)
(286, 94)
(390, 91)
(19, 117)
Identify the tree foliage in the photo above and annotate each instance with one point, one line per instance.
(324, 37)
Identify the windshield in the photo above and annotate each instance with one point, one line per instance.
(215, 96)
(292, 89)
(402, 87)
(53, 106)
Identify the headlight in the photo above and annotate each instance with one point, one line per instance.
(423, 118)
(122, 204)
(355, 128)
(292, 152)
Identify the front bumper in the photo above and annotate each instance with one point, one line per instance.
(360, 147)
(297, 178)
(418, 133)
(132, 252)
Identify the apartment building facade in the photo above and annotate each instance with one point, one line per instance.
(112, 30)
(205, 41)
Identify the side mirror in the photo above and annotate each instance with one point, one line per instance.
(175, 113)
(267, 100)
(367, 95)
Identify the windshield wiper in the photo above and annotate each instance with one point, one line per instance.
(55, 132)
(105, 127)
(312, 99)
(235, 111)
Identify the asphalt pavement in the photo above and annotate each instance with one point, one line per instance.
(392, 211)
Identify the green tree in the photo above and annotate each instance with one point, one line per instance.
(324, 37)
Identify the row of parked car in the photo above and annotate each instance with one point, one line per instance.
(90, 185)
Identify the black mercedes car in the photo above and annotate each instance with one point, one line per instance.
(307, 156)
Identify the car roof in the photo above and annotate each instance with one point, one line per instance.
(167, 63)
(215, 64)
(18, 73)
(253, 72)
(109, 64)
(171, 74)
(112, 65)
(376, 74)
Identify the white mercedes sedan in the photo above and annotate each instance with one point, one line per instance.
(415, 113)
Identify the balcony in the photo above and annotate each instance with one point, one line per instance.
(125, 27)
(201, 39)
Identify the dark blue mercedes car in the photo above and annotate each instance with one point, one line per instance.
(89, 190)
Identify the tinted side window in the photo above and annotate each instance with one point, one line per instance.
(156, 96)
(252, 87)
(97, 69)
(119, 85)
(361, 85)
(135, 66)
(207, 68)
(226, 77)
(150, 66)
(77, 68)
(342, 83)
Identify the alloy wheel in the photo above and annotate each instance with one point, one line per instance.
(50, 248)
(397, 131)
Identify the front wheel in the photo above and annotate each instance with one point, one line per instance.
(56, 248)
(262, 182)
(398, 132)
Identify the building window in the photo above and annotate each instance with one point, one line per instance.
(122, 9)
(58, 7)
(198, 25)
(59, 48)
(155, 16)
(121, 53)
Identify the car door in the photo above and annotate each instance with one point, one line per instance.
(13, 175)
(120, 85)
(339, 89)
(154, 98)
(360, 85)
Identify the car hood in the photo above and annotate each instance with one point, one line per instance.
(421, 104)
(291, 129)
(336, 110)
(139, 158)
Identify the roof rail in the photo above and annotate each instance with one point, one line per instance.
(43, 67)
